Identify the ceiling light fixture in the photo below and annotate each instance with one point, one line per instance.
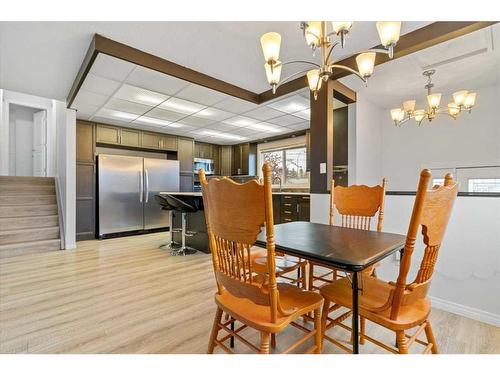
(223, 135)
(317, 36)
(462, 100)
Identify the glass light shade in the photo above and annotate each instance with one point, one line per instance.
(273, 74)
(341, 26)
(313, 33)
(459, 97)
(453, 109)
(397, 114)
(314, 80)
(434, 100)
(470, 100)
(365, 62)
(271, 46)
(419, 115)
(409, 105)
(388, 31)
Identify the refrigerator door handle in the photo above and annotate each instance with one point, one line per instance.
(141, 186)
(146, 196)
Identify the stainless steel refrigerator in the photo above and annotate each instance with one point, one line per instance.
(126, 189)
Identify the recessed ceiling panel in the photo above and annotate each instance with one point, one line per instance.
(151, 121)
(165, 115)
(263, 113)
(200, 94)
(240, 121)
(155, 81)
(213, 114)
(181, 106)
(126, 106)
(235, 105)
(300, 126)
(88, 98)
(111, 67)
(139, 95)
(99, 85)
(115, 115)
(196, 121)
(286, 120)
(292, 104)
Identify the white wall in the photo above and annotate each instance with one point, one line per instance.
(21, 140)
(472, 139)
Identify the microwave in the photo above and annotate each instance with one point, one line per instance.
(206, 164)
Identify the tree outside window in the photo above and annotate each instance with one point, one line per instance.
(289, 165)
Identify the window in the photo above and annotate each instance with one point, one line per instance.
(484, 185)
(288, 166)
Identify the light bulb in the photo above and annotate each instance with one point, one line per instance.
(470, 100)
(313, 33)
(314, 80)
(453, 110)
(459, 97)
(419, 115)
(434, 100)
(388, 32)
(273, 72)
(365, 62)
(341, 26)
(397, 114)
(271, 46)
(409, 105)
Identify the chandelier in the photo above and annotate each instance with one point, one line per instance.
(463, 100)
(317, 36)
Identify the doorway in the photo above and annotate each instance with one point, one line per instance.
(27, 141)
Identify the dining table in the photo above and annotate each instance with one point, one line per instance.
(346, 249)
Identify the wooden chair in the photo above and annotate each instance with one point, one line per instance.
(401, 306)
(357, 205)
(235, 214)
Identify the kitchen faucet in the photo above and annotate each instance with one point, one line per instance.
(279, 179)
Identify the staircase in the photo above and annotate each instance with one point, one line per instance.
(29, 221)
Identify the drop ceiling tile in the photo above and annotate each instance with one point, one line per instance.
(126, 106)
(235, 105)
(222, 135)
(263, 113)
(200, 94)
(139, 95)
(110, 121)
(221, 127)
(155, 81)
(240, 121)
(87, 98)
(115, 115)
(182, 131)
(244, 131)
(265, 127)
(84, 112)
(151, 121)
(111, 67)
(165, 115)
(214, 113)
(196, 121)
(291, 104)
(300, 126)
(285, 120)
(99, 85)
(181, 106)
(305, 114)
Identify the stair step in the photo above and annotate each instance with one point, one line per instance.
(11, 250)
(24, 222)
(20, 180)
(16, 200)
(22, 211)
(28, 235)
(22, 189)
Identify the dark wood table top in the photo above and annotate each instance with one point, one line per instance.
(344, 248)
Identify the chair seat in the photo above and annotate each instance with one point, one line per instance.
(374, 295)
(258, 316)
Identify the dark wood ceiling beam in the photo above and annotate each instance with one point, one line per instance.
(425, 37)
(88, 60)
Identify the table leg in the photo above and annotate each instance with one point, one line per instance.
(355, 314)
(231, 340)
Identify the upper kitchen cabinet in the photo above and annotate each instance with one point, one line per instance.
(108, 134)
(168, 142)
(185, 154)
(150, 140)
(203, 150)
(130, 137)
(84, 142)
(225, 161)
(244, 159)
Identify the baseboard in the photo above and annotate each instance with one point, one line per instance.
(467, 311)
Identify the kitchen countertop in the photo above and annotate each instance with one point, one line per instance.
(291, 193)
(198, 193)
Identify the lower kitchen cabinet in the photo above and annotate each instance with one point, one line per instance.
(291, 207)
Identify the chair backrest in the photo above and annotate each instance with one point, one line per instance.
(357, 205)
(431, 211)
(235, 214)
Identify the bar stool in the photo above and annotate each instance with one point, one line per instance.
(165, 206)
(183, 207)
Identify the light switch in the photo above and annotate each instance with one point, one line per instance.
(322, 168)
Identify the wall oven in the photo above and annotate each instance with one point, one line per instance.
(206, 164)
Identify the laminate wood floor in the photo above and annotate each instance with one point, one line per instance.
(125, 295)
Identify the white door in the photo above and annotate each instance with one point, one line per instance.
(39, 143)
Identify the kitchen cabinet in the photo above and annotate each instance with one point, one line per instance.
(168, 142)
(150, 140)
(186, 181)
(203, 150)
(244, 158)
(108, 134)
(291, 207)
(130, 137)
(225, 160)
(185, 152)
